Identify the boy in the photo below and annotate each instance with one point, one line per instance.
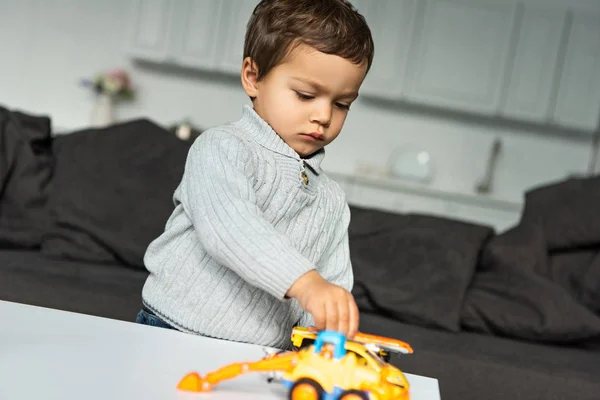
(258, 241)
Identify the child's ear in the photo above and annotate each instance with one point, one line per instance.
(250, 77)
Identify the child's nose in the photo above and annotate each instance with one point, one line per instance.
(321, 114)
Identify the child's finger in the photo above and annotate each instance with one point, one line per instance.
(344, 317)
(320, 317)
(354, 318)
(332, 315)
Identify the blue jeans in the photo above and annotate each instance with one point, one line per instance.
(147, 317)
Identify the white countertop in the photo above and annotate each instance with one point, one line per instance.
(426, 191)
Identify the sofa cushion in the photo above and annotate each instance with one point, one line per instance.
(25, 172)
(112, 191)
(104, 290)
(415, 268)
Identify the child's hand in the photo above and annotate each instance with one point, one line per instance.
(331, 306)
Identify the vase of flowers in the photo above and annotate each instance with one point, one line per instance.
(108, 87)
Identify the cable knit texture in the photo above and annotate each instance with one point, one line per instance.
(244, 228)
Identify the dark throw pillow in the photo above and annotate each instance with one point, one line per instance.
(568, 211)
(25, 172)
(523, 290)
(414, 268)
(112, 191)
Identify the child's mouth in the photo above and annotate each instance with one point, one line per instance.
(315, 136)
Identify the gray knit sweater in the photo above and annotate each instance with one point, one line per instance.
(244, 228)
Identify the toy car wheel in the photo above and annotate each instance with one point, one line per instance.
(306, 389)
(354, 395)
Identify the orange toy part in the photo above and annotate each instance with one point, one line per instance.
(304, 391)
(280, 362)
(192, 382)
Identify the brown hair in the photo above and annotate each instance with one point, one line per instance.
(276, 27)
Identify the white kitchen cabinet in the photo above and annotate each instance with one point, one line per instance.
(395, 196)
(534, 63)
(522, 59)
(181, 32)
(500, 218)
(578, 97)
(462, 53)
(411, 203)
(199, 22)
(152, 26)
(392, 24)
(233, 32)
(369, 196)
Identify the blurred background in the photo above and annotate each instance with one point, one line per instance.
(469, 104)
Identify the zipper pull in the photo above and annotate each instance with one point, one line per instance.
(303, 172)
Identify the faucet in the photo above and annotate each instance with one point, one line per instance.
(485, 184)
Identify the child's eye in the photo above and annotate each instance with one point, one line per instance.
(303, 96)
(343, 106)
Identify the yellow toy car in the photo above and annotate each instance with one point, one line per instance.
(332, 368)
(302, 337)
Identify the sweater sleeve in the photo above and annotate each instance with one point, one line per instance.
(218, 195)
(336, 264)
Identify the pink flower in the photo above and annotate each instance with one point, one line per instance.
(120, 77)
(115, 82)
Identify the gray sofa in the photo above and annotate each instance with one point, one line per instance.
(515, 315)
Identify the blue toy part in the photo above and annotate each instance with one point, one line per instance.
(335, 395)
(331, 337)
(287, 383)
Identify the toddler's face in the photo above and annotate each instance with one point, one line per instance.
(306, 98)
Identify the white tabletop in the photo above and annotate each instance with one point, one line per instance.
(48, 354)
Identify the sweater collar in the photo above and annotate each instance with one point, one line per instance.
(262, 133)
